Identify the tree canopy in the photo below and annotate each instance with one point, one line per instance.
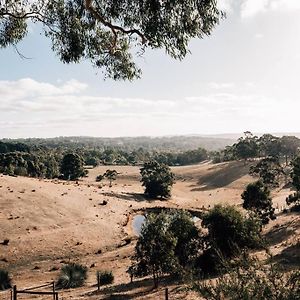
(110, 33)
(257, 198)
(269, 170)
(169, 242)
(157, 179)
(229, 230)
(72, 167)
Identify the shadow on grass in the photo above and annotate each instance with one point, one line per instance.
(132, 290)
(220, 177)
(136, 197)
(289, 257)
(279, 234)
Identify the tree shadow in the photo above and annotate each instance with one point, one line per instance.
(132, 290)
(136, 197)
(137, 289)
(280, 233)
(289, 257)
(220, 177)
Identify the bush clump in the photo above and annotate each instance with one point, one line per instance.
(250, 279)
(5, 280)
(229, 232)
(105, 277)
(157, 179)
(71, 276)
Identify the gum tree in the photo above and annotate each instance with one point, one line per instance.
(110, 34)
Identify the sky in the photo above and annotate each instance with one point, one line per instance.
(245, 76)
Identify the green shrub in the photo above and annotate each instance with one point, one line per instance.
(105, 277)
(250, 279)
(168, 243)
(257, 199)
(229, 232)
(229, 229)
(5, 280)
(71, 276)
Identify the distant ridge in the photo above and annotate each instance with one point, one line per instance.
(163, 143)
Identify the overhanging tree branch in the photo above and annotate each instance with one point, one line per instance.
(114, 28)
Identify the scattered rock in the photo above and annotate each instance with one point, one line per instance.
(93, 266)
(5, 242)
(54, 269)
(127, 240)
(99, 251)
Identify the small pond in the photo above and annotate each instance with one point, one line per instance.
(138, 221)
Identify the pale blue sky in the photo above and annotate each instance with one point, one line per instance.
(245, 76)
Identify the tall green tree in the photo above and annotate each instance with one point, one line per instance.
(155, 249)
(295, 175)
(289, 147)
(269, 170)
(168, 244)
(229, 230)
(257, 199)
(157, 179)
(106, 32)
(72, 166)
(111, 175)
(246, 147)
(269, 145)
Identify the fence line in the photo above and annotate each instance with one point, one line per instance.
(31, 291)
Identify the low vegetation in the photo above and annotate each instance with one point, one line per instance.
(110, 175)
(105, 277)
(71, 276)
(251, 279)
(170, 243)
(229, 233)
(5, 280)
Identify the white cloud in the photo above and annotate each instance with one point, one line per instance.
(250, 8)
(225, 5)
(221, 85)
(32, 108)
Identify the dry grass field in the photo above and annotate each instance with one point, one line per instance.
(51, 222)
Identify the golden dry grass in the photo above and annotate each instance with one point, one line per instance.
(50, 222)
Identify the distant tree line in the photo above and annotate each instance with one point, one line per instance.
(251, 146)
(129, 144)
(45, 162)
